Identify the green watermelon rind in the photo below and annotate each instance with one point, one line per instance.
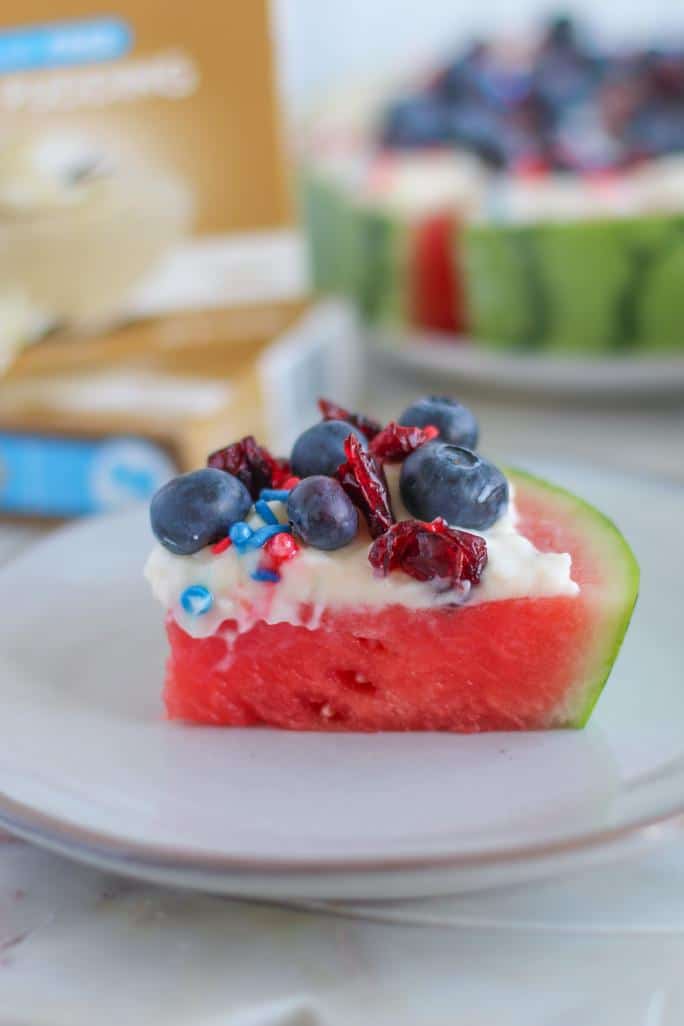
(328, 216)
(602, 533)
(577, 286)
(380, 258)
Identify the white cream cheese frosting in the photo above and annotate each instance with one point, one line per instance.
(316, 580)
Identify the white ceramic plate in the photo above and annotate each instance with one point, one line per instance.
(89, 767)
(461, 361)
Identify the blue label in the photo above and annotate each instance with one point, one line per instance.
(68, 477)
(64, 43)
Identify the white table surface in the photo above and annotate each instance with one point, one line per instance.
(79, 948)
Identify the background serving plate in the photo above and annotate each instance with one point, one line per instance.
(89, 767)
(461, 361)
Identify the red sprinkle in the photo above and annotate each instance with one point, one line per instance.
(221, 546)
(289, 483)
(363, 479)
(252, 464)
(396, 441)
(430, 551)
(278, 550)
(331, 411)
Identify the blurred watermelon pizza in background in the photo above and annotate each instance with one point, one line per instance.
(527, 193)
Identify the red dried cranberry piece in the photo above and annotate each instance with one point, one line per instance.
(282, 473)
(252, 464)
(363, 479)
(396, 441)
(430, 552)
(331, 411)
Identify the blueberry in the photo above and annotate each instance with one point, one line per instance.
(321, 513)
(416, 121)
(197, 509)
(455, 422)
(320, 449)
(442, 480)
(475, 127)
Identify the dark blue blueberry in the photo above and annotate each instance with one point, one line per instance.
(563, 78)
(460, 79)
(320, 449)
(456, 423)
(479, 128)
(321, 513)
(658, 129)
(416, 121)
(561, 33)
(197, 509)
(442, 480)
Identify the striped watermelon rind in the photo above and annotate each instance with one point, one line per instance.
(372, 254)
(582, 287)
(578, 287)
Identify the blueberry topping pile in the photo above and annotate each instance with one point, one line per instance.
(320, 449)
(455, 422)
(564, 105)
(335, 473)
(197, 509)
(443, 480)
(321, 513)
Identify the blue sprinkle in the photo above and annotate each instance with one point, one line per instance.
(265, 512)
(266, 575)
(262, 534)
(274, 494)
(240, 533)
(197, 600)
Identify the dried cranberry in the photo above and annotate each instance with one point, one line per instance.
(430, 552)
(331, 411)
(252, 464)
(396, 441)
(363, 479)
(282, 474)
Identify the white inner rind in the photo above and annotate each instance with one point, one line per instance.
(316, 580)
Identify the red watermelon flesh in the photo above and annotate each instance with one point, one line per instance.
(515, 664)
(437, 301)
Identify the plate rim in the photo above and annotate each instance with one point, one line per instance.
(95, 846)
(649, 374)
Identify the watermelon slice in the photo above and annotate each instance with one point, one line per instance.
(514, 664)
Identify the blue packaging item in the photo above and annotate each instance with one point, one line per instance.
(59, 44)
(68, 476)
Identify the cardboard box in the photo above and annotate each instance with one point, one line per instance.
(141, 168)
(92, 427)
(145, 243)
(88, 427)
